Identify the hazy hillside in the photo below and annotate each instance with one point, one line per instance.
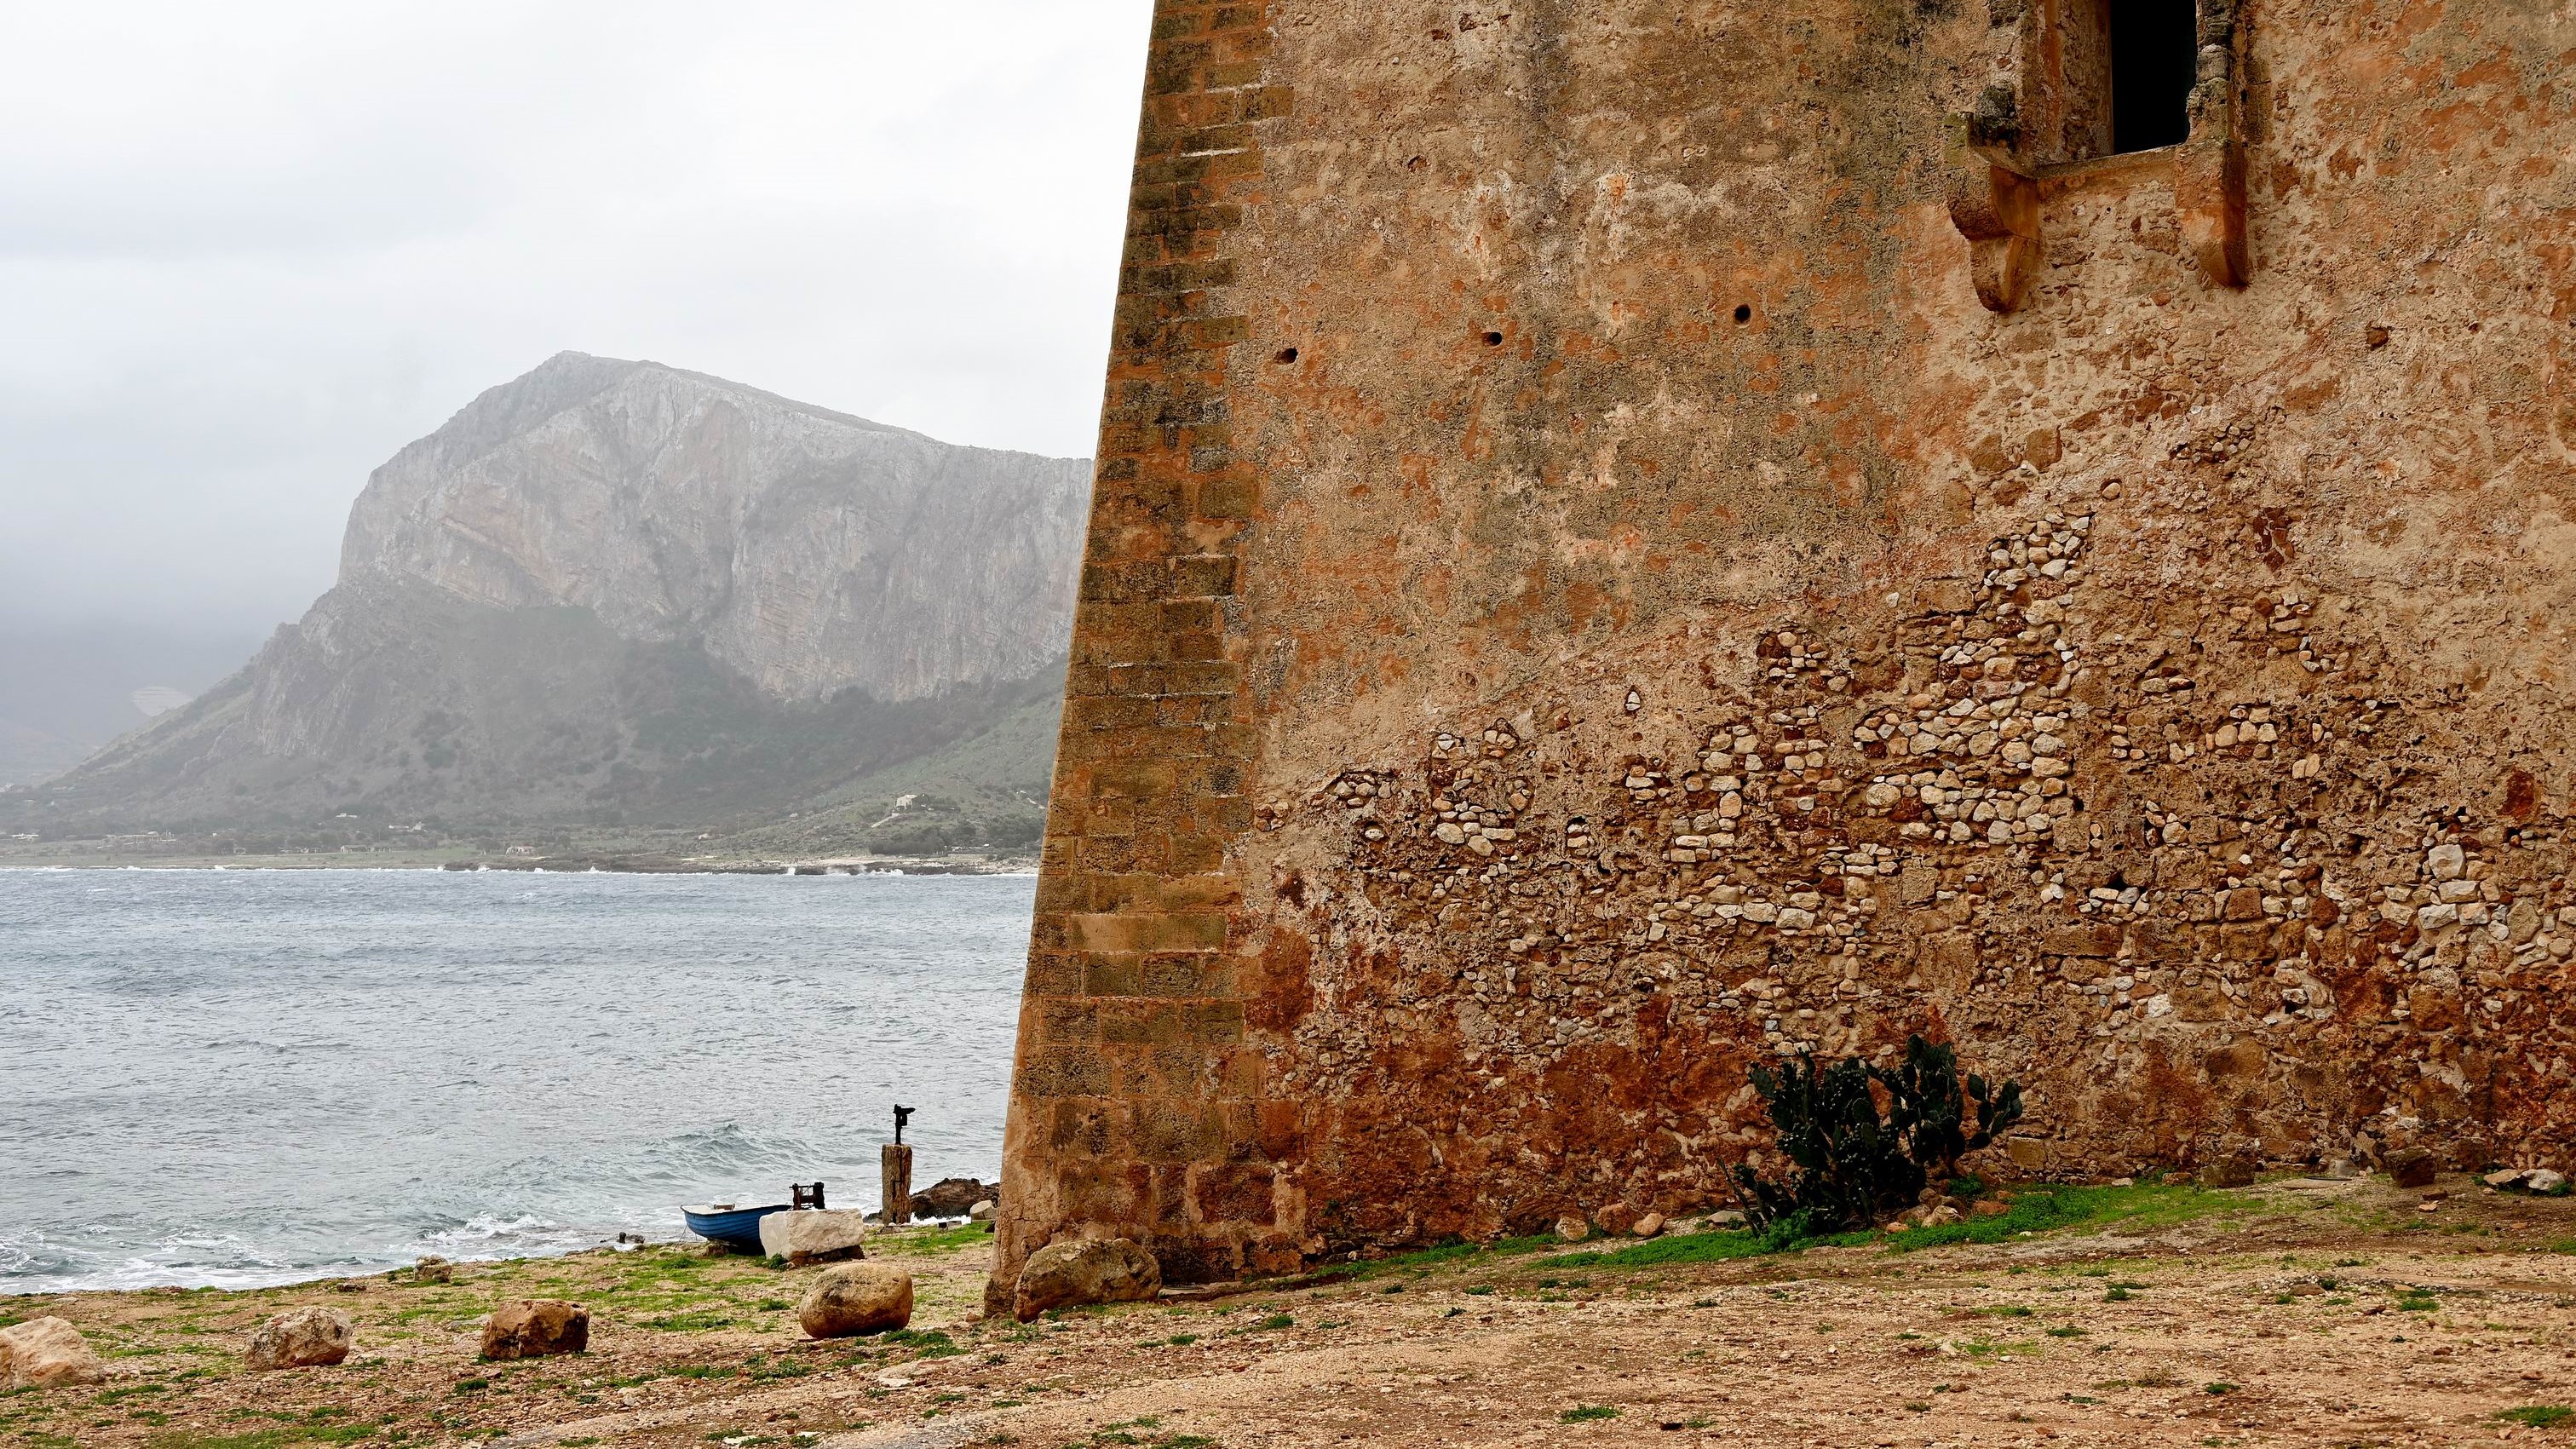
(66, 690)
(617, 592)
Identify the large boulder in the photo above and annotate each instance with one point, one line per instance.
(303, 1338)
(2413, 1167)
(45, 1353)
(814, 1235)
(950, 1197)
(856, 1298)
(536, 1328)
(1061, 1275)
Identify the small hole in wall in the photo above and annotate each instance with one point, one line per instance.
(1743, 314)
(1286, 354)
(1493, 339)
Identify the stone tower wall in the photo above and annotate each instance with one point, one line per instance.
(1585, 591)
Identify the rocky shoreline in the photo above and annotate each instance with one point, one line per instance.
(2297, 1310)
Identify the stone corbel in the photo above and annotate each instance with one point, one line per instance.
(2209, 169)
(1994, 200)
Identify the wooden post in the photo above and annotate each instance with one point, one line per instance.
(895, 1168)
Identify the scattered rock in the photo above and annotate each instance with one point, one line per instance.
(1729, 1218)
(856, 1298)
(981, 1212)
(814, 1235)
(44, 1353)
(303, 1338)
(2413, 1167)
(1112, 1270)
(950, 1197)
(1648, 1226)
(1615, 1219)
(2548, 1182)
(2508, 1177)
(536, 1328)
(1571, 1228)
(433, 1269)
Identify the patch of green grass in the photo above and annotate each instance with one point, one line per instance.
(2218, 1388)
(2034, 1210)
(930, 1242)
(2537, 1416)
(2007, 1310)
(1716, 1247)
(1276, 1320)
(2416, 1300)
(703, 1320)
(1423, 1259)
(2068, 1330)
(925, 1343)
(2116, 1294)
(2048, 1209)
(264, 1438)
(119, 1395)
(1584, 1412)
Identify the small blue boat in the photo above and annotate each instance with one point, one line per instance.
(735, 1227)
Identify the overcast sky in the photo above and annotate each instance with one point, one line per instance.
(247, 250)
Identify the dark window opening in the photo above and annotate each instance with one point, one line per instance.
(2154, 57)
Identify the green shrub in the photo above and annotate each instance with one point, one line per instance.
(1855, 1161)
(1582, 1412)
(2538, 1416)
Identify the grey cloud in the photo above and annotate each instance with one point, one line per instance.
(247, 251)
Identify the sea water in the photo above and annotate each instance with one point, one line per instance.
(246, 1077)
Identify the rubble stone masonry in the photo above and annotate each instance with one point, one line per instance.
(1637, 535)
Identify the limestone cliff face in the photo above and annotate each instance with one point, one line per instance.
(615, 591)
(809, 550)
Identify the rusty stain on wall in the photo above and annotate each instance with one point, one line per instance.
(1583, 596)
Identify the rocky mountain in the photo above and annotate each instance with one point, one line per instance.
(617, 591)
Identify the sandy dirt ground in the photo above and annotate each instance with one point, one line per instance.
(2301, 1312)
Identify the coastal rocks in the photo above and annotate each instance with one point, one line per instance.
(981, 1212)
(950, 1197)
(433, 1269)
(536, 1328)
(856, 1298)
(45, 1353)
(303, 1338)
(1112, 1270)
(814, 1235)
(1571, 1228)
